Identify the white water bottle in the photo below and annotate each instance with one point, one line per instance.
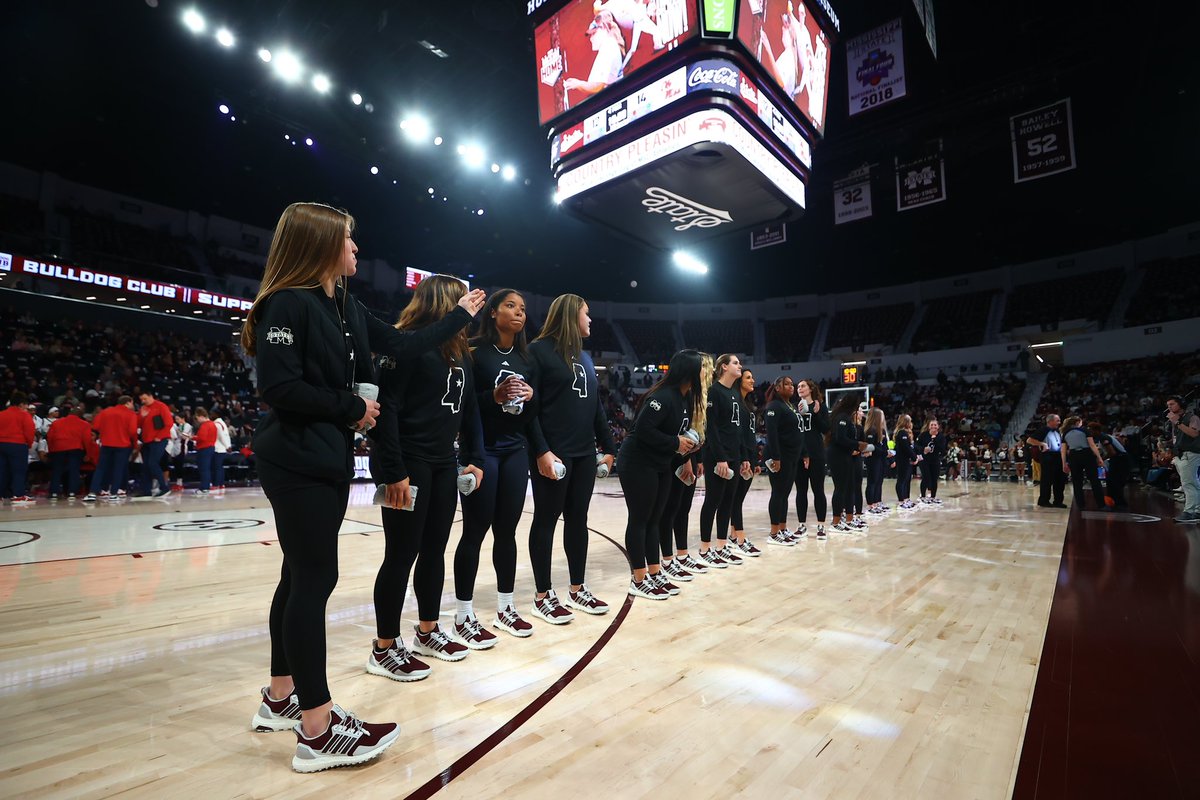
(602, 469)
(466, 481)
(560, 470)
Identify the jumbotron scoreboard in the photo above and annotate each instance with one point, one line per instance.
(674, 121)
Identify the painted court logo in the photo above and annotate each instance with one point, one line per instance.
(280, 336)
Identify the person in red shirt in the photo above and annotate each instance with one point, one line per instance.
(67, 440)
(206, 446)
(16, 437)
(155, 420)
(118, 429)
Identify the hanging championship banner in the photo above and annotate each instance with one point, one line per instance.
(875, 64)
(920, 181)
(852, 196)
(1043, 141)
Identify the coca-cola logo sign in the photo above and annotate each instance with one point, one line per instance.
(686, 213)
(704, 76)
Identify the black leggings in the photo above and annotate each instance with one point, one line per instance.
(904, 472)
(841, 469)
(930, 469)
(674, 519)
(419, 535)
(781, 487)
(856, 483)
(1083, 466)
(875, 465)
(646, 493)
(308, 515)
(813, 475)
(497, 503)
(718, 504)
(739, 496)
(570, 499)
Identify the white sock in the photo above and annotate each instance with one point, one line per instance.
(464, 610)
(504, 600)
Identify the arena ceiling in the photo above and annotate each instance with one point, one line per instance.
(120, 95)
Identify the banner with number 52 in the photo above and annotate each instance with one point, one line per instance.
(875, 66)
(1043, 141)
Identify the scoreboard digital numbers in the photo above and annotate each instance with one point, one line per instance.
(849, 376)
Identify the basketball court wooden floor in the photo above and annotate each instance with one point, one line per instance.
(133, 640)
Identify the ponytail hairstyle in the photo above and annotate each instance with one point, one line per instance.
(434, 298)
(721, 363)
(776, 385)
(1070, 423)
(846, 408)
(687, 366)
(562, 327)
(307, 246)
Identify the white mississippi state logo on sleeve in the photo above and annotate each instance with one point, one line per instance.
(455, 380)
(280, 336)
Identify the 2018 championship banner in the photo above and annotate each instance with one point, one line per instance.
(920, 181)
(1043, 141)
(875, 66)
(852, 197)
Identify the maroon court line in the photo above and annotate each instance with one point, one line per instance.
(467, 760)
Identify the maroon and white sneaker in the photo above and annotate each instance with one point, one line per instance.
(348, 740)
(474, 635)
(437, 644)
(551, 610)
(276, 715)
(712, 558)
(781, 538)
(729, 556)
(586, 602)
(661, 581)
(509, 620)
(746, 548)
(675, 571)
(692, 565)
(648, 589)
(397, 663)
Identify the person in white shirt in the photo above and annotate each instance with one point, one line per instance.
(220, 450)
(609, 64)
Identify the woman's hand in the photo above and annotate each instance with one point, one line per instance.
(472, 301)
(686, 445)
(545, 465)
(807, 461)
(509, 389)
(368, 418)
(685, 474)
(398, 495)
(607, 459)
(471, 469)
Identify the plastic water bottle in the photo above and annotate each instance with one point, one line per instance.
(516, 405)
(602, 469)
(466, 481)
(381, 497)
(560, 470)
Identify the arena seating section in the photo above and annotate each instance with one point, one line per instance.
(1170, 290)
(790, 339)
(858, 328)
(956, 321)
(720, 335)
(1048, 303)
(653, 340)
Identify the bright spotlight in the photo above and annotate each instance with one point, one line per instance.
(287, 138)
(473, 155)
(437, 140)
(689, 263)
(265, 55)
(557, 197)
(416, 128)
(374, 170)
(461, 149)
(224, 109)
(193, 21)
(509, 172)
(225, 37)
(495, 168)
(321, 83)
(232, 118)
(480, 212)
(356, 98)
(287, 66)
(431, 190)
(308, 141)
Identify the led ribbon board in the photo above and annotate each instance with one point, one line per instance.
(716, 75)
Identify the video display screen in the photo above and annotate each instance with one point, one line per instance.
(589, 45)
(786, 38)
